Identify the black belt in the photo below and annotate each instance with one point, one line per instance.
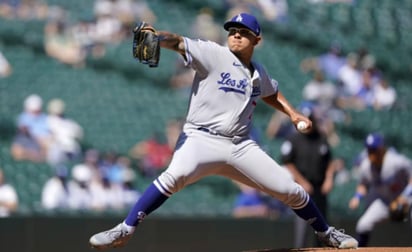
(212, 132)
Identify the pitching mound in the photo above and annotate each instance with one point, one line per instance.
(371, 249)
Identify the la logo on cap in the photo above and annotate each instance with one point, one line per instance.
(239, 18)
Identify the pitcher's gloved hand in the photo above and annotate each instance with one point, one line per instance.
(146, 45)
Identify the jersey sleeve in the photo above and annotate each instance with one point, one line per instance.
(268, 85)
(200, 54)
(271, 88)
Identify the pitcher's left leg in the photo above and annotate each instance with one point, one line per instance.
(259, 170)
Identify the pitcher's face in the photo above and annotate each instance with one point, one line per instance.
(241, 39)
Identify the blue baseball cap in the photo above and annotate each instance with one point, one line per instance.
(246, 20)
(374, 141)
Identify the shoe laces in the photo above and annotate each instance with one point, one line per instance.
(338, 234)
(117, 232)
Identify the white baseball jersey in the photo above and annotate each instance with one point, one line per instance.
(221, 80)
(215, 138)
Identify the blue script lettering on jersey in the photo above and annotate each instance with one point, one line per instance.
(232, 85)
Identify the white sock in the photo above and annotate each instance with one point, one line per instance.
(129, 229)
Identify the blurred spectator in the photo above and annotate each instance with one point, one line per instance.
(375, 93)
(115, 190)
(273, 10)
(235, 7)
(328, 63)
(84, 32)
(384, 95)
(106, 195)
(108, 28)
(366, 61)
(81, 197)
(84, 176)
(323, 93)
(320, 91)
(309, 159)
(349, 75)
(25, 10)
(358, 80)
(206, 28)
(92, 159)
(153, 154)
(130, 193)
(127, 12)
(9, 201)
(279, 126)
(55, 193)
(143, 11)
(109, 167)
(182, 78)
(33, 134)
(249, 203)
(60, 43)
(106, 185)
(94, 185)
(66, 134)
(5, 67)
(325, 122)
(365, 96)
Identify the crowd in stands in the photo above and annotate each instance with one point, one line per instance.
(339, 84)
(353, 81)
(46, 137)
(86, 179)
(101, 182)
(71, 40)
(24, 10)
(153, 155)
(82, 180)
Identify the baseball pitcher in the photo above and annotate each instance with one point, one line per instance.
(215, 138)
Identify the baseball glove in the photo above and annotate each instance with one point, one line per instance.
(399, 210)
(146, 46)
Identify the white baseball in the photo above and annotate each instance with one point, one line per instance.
(302, 126)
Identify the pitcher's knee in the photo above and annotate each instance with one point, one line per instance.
(168, 184)
(296, 198)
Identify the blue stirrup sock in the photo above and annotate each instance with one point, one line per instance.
(313, 216)
(151, 199)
